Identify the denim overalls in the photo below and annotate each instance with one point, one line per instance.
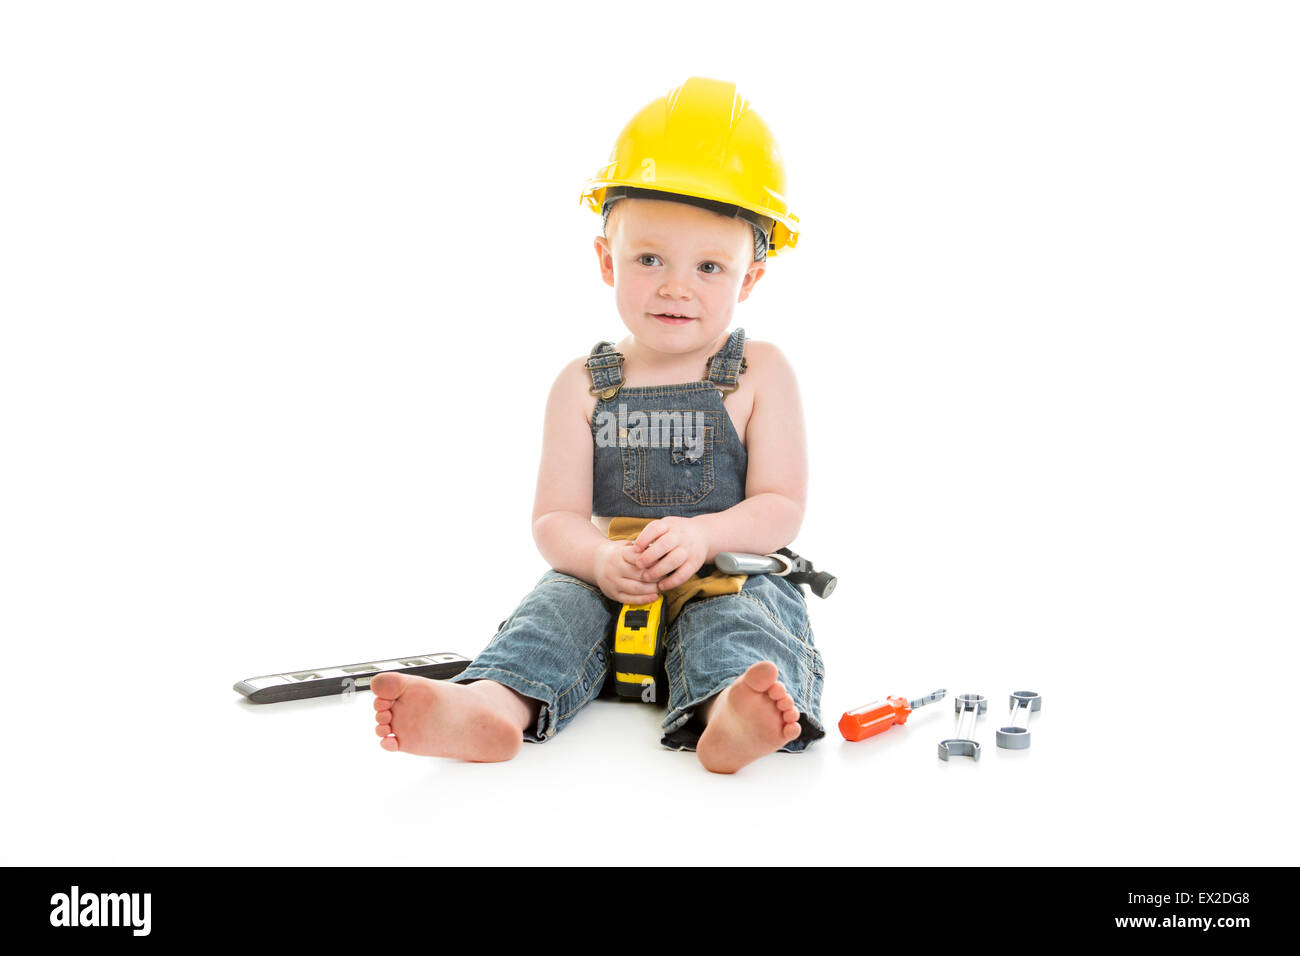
(659, 450)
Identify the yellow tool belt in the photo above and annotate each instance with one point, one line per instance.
(627, 529)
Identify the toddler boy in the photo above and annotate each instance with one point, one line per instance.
(650, 468)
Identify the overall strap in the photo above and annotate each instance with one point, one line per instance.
(728, 363)
(605, 365)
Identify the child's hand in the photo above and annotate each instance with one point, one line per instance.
(618, 577)
(670, 550)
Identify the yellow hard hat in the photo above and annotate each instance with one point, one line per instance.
(704, 141)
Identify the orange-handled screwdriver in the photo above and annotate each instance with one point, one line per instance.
(864, 722)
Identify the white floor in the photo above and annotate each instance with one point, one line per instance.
(135, 767)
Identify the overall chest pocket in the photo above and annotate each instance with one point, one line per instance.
(670, 461)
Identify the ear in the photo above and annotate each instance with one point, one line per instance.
(606, 257)
(752, 275)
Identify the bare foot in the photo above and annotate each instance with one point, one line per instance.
(478, 721)
(752, 716)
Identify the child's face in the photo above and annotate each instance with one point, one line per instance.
(669, 257)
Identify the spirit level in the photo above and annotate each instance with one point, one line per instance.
(324, 681)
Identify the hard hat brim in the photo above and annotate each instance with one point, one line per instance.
(784, 229)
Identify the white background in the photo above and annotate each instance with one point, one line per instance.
(284, 285)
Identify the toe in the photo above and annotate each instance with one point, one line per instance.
(384, 717)
(390, 743)
(387, 685)
(384, 730)
(760, 676)
(791, 730)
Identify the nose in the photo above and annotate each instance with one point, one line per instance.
(675, 287)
